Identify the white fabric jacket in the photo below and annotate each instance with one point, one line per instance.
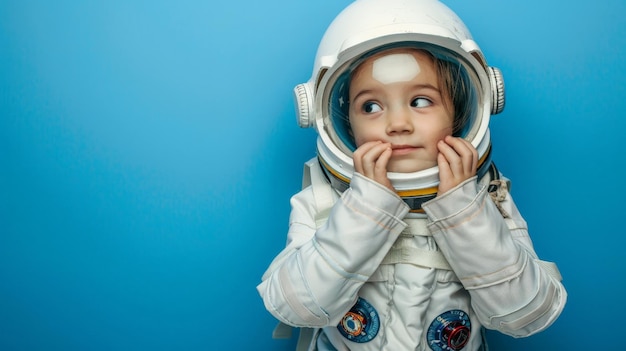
(412, 281)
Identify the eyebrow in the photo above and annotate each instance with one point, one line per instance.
(416, 87)
(427, 86)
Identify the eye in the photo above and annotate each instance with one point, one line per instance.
(371, 107)
(421, 102)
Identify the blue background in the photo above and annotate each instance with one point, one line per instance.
(148, 150)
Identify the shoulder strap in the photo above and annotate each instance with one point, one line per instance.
(322, 191)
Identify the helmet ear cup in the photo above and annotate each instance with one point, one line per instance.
(303, 100)
(497, 90)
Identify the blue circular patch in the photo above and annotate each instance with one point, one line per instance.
(450, 331)
(361, 323)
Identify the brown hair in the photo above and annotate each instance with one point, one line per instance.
(455, 90)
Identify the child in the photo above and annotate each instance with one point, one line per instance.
(407, 237)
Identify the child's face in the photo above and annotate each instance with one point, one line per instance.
(396, 98)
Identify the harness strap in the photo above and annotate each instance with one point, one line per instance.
(414, 255)
(305, 338)
(285, 331)
(322, 190)
(417, 257)
(416, 226)
(282, 331)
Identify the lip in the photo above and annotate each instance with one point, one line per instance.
(402, 149)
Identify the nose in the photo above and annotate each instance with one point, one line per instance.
(399, 121)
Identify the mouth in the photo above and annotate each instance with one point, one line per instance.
(402, 149)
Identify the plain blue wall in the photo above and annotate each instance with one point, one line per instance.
(148, 150)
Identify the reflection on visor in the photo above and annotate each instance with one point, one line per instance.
(395, 68)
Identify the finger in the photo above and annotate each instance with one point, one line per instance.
(446, 178)
(453, 159)
(467, 160)
(370, 160)
(357, 156)
(466, 150)
(380, 168)
(444, 167)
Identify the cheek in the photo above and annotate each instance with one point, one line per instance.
(359, 139)
(361, 133)
(444, 132)
(439, 132)
(355, 132)
(445, 126)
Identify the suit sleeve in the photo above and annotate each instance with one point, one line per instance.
(487, 245)
(314, 281)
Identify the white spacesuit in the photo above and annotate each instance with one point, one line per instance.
(366, 268)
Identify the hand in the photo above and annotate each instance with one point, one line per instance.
(457, 161)
(370, 160)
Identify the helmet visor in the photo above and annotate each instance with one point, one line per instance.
(457, 80)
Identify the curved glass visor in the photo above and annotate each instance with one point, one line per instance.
(459, 81)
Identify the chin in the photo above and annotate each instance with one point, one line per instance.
(410, 166)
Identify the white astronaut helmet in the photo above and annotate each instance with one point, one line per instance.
(366, 27)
